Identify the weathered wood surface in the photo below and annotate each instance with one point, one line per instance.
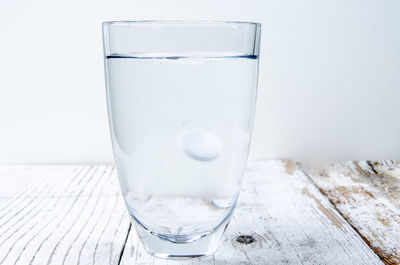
(61, 215)
(75, 215)
(292, 222)
(367, 195)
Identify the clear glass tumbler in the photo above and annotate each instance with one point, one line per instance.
(181, 100)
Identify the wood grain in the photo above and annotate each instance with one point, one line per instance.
(61, 215)
(292, 222)
(367, 194)
(75, 215)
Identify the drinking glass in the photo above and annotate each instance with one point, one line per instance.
(181, 99)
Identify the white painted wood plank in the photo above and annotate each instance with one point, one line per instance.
(61, 215)
(367, 195)
(292, 222)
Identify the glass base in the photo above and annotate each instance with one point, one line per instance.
(180, 247)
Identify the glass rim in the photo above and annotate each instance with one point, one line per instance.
(179, 22)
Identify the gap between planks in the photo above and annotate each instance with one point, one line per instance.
(124, 244)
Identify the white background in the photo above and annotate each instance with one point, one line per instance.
(329, 81)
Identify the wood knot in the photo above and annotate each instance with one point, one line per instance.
(245, 239)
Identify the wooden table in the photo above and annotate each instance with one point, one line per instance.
(340, 213)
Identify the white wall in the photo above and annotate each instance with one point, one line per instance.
(329, 78)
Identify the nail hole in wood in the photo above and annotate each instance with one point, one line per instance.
(245, 239)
